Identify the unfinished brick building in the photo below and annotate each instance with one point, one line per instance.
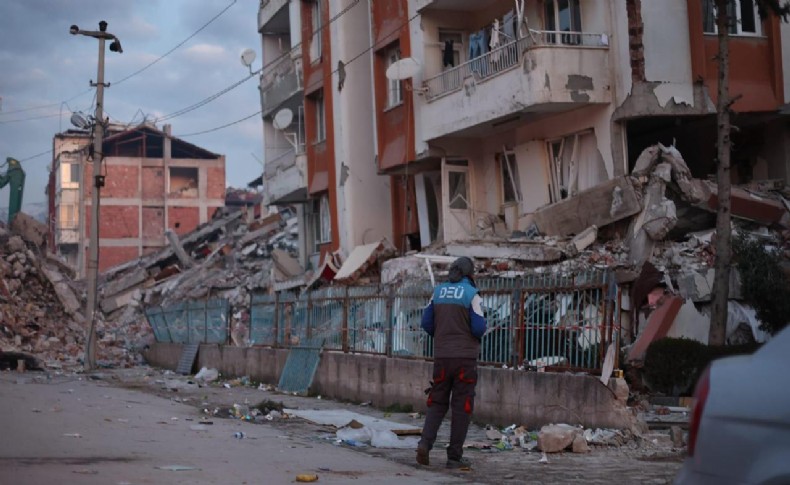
(153, 182)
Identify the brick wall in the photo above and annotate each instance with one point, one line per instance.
(119, 221)
(183, 220)
(113, 256)
(635, 44)
(215, 183)
(122, 182)
(153, 183)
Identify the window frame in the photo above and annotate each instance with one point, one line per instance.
(321, 222)
(709, 16)
(320, 117)
(507, 162)
(316, 44)
(394, 86)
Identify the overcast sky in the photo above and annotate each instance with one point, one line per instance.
(43, 67)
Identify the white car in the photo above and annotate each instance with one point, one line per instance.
(740, 425)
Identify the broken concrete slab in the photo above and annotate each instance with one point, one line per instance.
(287, 266)
(29, 229)
(657, 327)
(554, 438)
(585, 239)
(580, 445)
(362, 258)
(747, 205)
(604, 204)
(178, 249)
(690, 324)
(526, 251)
(697, 286)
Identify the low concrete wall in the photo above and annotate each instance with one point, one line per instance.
(503, 396)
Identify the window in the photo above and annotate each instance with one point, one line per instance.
(315, 42)
(184, 182)
(563, 16)
(322, 225)
(394, 86)
(576, 164)
(320, 116)
(74, 172)
(511, 190)
(744, 18)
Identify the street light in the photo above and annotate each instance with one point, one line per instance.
(98, 183)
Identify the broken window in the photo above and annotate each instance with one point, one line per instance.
(394, 87)
(459, 198)
(315, 42)
(743, 15)
(576, 164)
(511, 191)
(183, 182)
(563, 16)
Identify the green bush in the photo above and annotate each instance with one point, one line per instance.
(673, 365)
(763, 284)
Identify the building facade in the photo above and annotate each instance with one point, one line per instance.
(153, 182)
(514, 105)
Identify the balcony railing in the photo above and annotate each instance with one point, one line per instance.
(506, 57)
(281, 81)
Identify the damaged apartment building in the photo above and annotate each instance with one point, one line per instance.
(495, 108)
(154, 182)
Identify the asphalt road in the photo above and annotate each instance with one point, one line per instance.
(70, 430)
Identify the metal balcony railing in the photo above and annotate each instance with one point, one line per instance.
(506, 57)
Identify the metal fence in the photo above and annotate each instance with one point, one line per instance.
(538, 320)
(193, 322)
(506, 57)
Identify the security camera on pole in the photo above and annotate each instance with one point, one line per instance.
(98, 183)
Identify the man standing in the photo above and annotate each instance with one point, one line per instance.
(454, 318)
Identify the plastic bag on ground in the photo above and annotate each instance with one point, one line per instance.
(207, 375)
(363, 434)
(388, 439)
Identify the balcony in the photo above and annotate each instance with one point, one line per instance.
(285, 169)
(273, 16)
(544, 72)
(281, 82)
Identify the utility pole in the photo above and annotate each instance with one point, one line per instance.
(98, 182)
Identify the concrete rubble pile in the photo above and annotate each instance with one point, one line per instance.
(39, 307)
(658, 217)
(227, 257)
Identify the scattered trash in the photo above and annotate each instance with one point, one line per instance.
(226, 385)
(72, 435)
(307, 477)
(239, 435)
(388, 439)
(354, 443)
(543, 459)
(198, 427)
(492, 433)
(207, 375)
(177, 468)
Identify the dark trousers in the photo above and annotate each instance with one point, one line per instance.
(454, 383)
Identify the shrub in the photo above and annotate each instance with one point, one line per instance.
(672, 365)
(763, 283)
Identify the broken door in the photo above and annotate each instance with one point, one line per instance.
(456, 200)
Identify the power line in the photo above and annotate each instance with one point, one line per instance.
(307, 88)
(221, 127)
(36, 155)
(263, 68)
(33, 118)
(177, 45)
(33, 108)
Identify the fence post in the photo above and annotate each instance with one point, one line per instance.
(390, 320)
(344, 332)
(276, 317)
(520, 325)
(309, 318)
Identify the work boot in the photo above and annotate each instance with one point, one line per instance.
(422, 457)
(459, 464)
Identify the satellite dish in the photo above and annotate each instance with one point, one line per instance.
(79, 120)
(283, 119)
(403, 69)
(248, 57)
